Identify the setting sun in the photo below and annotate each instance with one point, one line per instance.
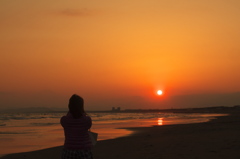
(159, 92)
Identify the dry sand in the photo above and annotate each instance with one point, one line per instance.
(217, 139)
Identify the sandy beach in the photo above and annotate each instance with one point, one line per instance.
(217, 139)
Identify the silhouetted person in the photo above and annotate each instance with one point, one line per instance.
(76, 124)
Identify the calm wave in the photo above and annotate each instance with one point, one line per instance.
(33, 131)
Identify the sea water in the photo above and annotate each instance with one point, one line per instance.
(21, 132)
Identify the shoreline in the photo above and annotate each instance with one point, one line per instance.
(217, 138)
(47, 135)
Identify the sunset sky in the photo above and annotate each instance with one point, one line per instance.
(119, 53)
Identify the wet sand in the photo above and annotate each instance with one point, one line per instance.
(217, 139)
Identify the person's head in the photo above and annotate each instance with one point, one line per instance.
(76, 106)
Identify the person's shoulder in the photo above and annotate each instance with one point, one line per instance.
(68, 115)
(63, 118)
(87, 116)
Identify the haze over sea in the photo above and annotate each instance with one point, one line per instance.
(21, 132)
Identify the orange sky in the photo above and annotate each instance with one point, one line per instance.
(118, 53)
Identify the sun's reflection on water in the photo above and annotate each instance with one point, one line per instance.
(160, 121)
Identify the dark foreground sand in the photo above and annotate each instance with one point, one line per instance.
(217, 139)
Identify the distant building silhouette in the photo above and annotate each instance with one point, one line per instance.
(118, 109)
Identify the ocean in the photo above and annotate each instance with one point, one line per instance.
(21, 132)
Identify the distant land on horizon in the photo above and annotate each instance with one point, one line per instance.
(33, 110)
(54, 110)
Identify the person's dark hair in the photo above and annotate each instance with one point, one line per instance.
(76, 106)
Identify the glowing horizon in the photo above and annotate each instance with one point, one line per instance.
(119, 53)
